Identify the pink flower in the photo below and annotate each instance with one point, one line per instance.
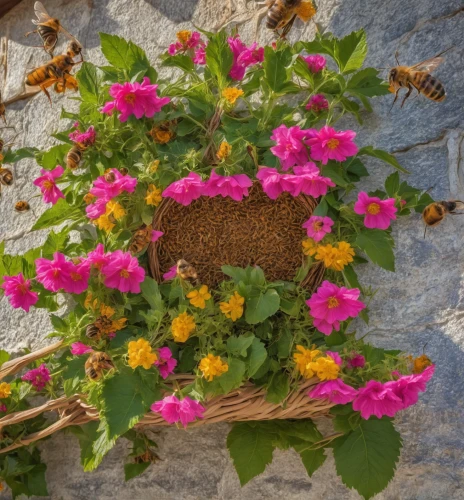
(317, 227)
(108, 189)
(95, 210)
(3, 408)
(171, 274)
(78, 349)
(376, 399)
(165, 362)
(38, 377)
(192, 42)
(315, 63)
(310, 182)
(317, 103)
(331, 304)
(335, 356)
(79, 278)
(18, 289)
(378, 212)
(336, 391)
(407, 387)
(185, 190)
(156, 235)
(235, 186)
(139, 99)
(174, 410)
(290, 148)
(47, 184)
(98, 257)
(243, 57)
(356, 361)
(200, 56)
(273, 183)
(251, 55)
(54, 274)
(328, 144)
(87, 138)
(123, 272)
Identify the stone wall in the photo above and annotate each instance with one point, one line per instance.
(421, 305)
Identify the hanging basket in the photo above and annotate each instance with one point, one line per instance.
(213, 232)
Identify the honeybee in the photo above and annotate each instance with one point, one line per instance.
(2, 110)
(48, 28)
(148, 456)
(282, 14)
(141, 239)
(6, 177)
(123, 171)
(102, 325)
(69, 83)
(109, 176)
(96, 363)
(92, 331)
(418, 77)
(74, 156)
(22, 206)
(434, 213)
(186, 271)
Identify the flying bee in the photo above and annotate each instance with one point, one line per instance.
(22, 206)
(141, 239)
(47, 28)
(6, 177)
(74, 156)
(186, 271)
(418, 77)
(283, 13)
(96, 363)
(434, 213)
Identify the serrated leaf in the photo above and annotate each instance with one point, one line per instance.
(233, 377)
(250, 448)
(151, 294)
(181, 61)
(219, 58)
(351, 51)
(257, 356)
(312, 460)
(53, 157)
(278, 388)
(275, 67)
(366, 458)
(367, 83)
(259, 307)
(58, 213)
(378, 246)
(382, 155)
(392, 184)
(335, 172)
(134, 470)
(238, 345)
(89, 78)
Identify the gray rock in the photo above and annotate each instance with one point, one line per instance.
(420, 305)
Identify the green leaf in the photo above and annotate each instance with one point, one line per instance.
(382, 155)
(58, 324)
(233, 377)
(378, 246)
(312, 460)
(334, 171)
(257, 356)
(250, 448)
(275, 67)
(53, 157)
(278, 388)
(259, 307)
(392, 184)
(55, 242)
(351, 277)
(151, 294)
(89, 78)
(238, 345)
(4, 357)
(134, 470)
(87, 435)
(236, 273)
(181, 61)
(59, 213)
(219, 58)
(351, 51)
(13, 156)
(367, 83)
(366, 458)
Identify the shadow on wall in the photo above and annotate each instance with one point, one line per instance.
(176, 10)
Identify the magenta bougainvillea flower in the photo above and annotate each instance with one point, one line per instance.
(174, 410)
(190, 43)
(317, 103)
(290, 147)
(86, 138)
(407, 387)
(38, 377)
(95, 210)
(79, 277)
(165, 362)
(18, 290)
(377, 399)
(54, 274)
(316, 63)
(335, 356)
(356, 361)
(330, 304)
(185, 190)
(200, 56)
(98, 257)
(328, 144)
(171, 274)
(317, 227)
(336, 391)
(3, 408)
(138, 99)
(274, 183)
(378, 213)
(156, 235)
(108, 189)
(47, 184)
(78, 349)
(122, 272)
(235, 186)
(310, 182)
(243, 57)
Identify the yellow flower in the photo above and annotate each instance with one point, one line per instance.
(90, 302)
(212, 366)
(325, 368)
(327, 254)
(303, 360)
(153, 167)
(231, 94)
(115, 209)
(182, 327)
(161, 134)
(309, 246)
(234, 308)
(88, 198)
(5, 390)
(224, 150)
(199, 297)
(140, 354)
(183, 36)
(344, 255)
(306, 11)
(421, 363)
(153, 196)
(118, 324)
(105, 223)
(107, 311)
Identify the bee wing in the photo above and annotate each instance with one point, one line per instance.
(41, 13)
(68, 34)
(428, 65)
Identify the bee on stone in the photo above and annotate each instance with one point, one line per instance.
(22, 206)
(435, 213)
(96, 363)
(6, 177)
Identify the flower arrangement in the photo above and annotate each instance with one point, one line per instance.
(238, 123)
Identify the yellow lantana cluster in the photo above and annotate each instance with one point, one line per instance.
(5, 390)
(334, 257)
(234, 308)
(199, 297)
(114, 211)
(231, 94)
(182, 327)
(224, 150)
(140, 354)
(212, 366)
(153, 196)
(311, 362)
